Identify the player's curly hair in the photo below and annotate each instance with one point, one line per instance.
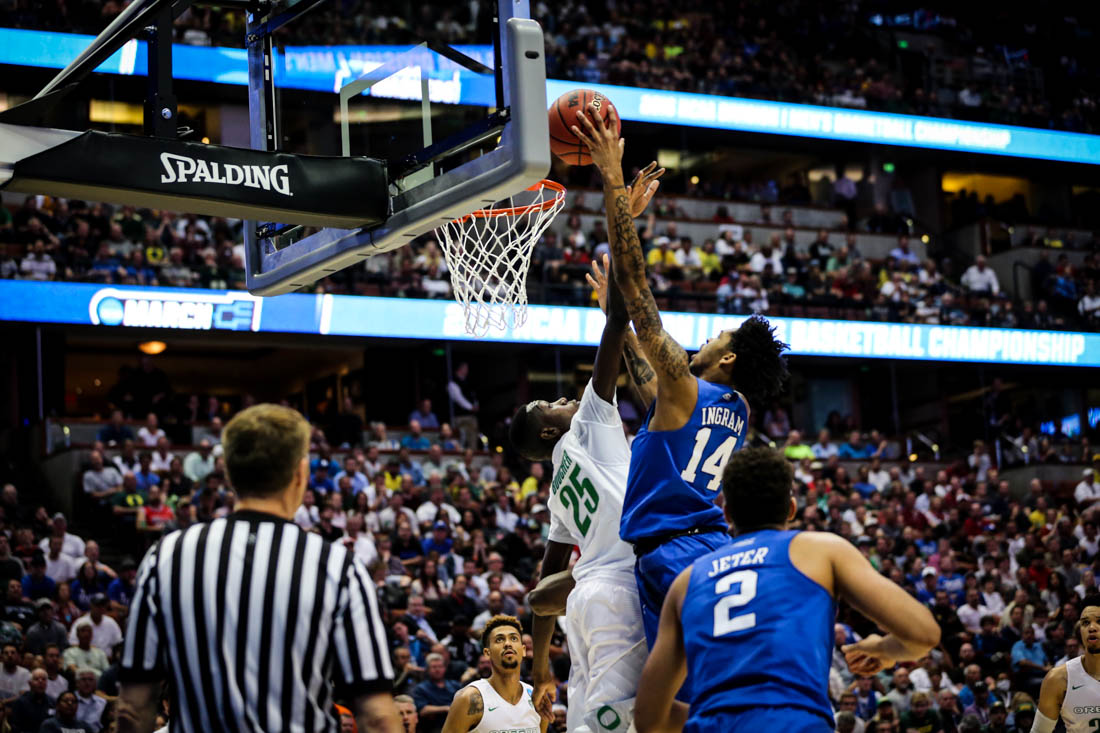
(524, 436)
(495, 623)
(760, 371)
(757, 485)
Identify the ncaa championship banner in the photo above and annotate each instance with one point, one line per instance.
(346, 315)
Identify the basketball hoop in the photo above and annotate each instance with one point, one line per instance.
(488, 253)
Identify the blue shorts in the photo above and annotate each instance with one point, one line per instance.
(655, 571)
(753, 720)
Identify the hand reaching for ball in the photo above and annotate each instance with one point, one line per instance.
(601, 137)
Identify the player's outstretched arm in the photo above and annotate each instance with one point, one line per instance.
(544, 601)
(656, 709)
(642, 376)
(676, 387)
(912, 631)
(1051, 695)
(605, 371)
(466, 711)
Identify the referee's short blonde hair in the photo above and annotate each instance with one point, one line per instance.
(263, 446)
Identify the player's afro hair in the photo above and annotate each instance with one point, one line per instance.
(760, 371)
(757, 485)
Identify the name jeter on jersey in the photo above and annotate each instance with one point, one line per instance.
(737, 559)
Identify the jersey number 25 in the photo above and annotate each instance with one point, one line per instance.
(714, 463)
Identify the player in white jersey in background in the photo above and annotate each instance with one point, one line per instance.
(1072, 690)
(591, 456)
(502, 703)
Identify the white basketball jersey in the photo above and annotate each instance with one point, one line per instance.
(1081, 706)
(589, 485)
(498, 716)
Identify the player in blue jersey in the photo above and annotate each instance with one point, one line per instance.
(751, 624)
(701, 413)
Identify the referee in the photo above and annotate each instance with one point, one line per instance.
(249, 618)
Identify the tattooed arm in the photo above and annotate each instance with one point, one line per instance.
(676, 387)
(643, 378)
(466, 711)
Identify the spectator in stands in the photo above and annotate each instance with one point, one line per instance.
(906, 259)
(980, 278)
(415, 440)
(433, 695)
(795, 449)
(11, 568)
(162, 456)
(71, 545)
(155, 514)
(126, 504)
(380, 439)
(346, 429)
(36, 584)
(464, 406)
(105, 630)
(144, 474)
(1087, 491)
(423, 414)
(14, 679)
(855, 449)
(307, 515)
(1089, 305)
(101, 480)
(89, 706)
(33, 707)
(115, 431)
(199, 463)
(83, 655)
(15, 609)
(359, 480)
(65, 719)
(824, 448)
(38, 264)
(127, 459)
(325, 527)
(776, 423)
(150, 433)
(46, 630)
(979, 461)
(59, 567)
(1029, 661)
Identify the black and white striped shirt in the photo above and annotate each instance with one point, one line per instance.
(250, 618)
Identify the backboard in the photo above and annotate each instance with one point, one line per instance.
(454, 105)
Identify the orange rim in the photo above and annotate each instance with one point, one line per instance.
(559, 194)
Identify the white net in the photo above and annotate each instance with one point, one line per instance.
(488, 254)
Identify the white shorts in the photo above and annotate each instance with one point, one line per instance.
(603, 622)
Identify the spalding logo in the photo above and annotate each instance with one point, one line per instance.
(182, 169)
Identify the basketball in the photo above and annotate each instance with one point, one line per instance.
(563, 115)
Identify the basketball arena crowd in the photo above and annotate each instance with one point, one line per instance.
(726, 271)
(454, 533)
(976, 61)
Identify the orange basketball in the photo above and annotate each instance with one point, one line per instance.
(563, 115)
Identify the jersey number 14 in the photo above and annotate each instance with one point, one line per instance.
(714, 463)
(580, 495)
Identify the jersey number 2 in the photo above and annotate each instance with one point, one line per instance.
(571, 494)
(724, 621)
(715, 462)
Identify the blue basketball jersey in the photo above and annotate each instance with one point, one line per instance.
(675, 475)
(757, 632)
